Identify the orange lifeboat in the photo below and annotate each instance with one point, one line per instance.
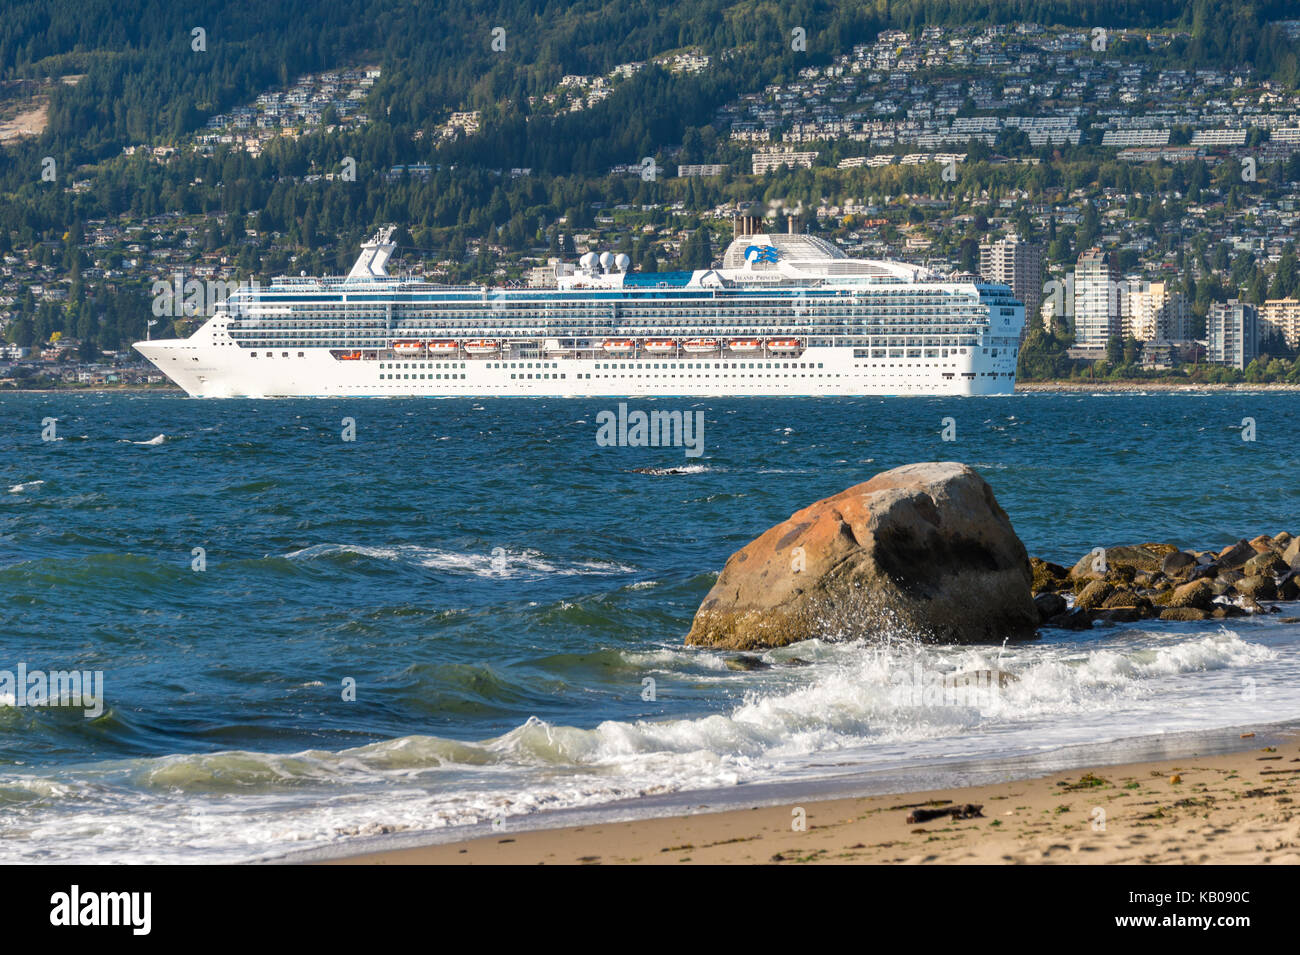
(443, 347)
(618, 346)
(481, 346)
(350, 356)
(696, 346)
(661, 346)
(782, 344)
(744, 346)
(408, 347)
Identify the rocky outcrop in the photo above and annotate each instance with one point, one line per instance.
(923, 550)
(1140, 581)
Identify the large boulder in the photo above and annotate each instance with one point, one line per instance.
(923, 551)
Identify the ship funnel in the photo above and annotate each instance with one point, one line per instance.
(374, 256)
(747, 221)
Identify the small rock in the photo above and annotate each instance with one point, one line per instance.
(1073, 620)
(1184, 613)
(1251, 605)
(1265, 565)
(1094, 595)
(1046, 576)
(1259, 587)
(1236, 555)
(1197, 593)
(1121, 615)
(1224, 611)
(1050, 605)
(1178, 564)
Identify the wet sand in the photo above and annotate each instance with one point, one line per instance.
(1229, 808)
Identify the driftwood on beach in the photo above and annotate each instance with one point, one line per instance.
(967, 811)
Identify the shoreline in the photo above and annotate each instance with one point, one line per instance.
(1021, 387)
(1233, 802)
(1123, 387)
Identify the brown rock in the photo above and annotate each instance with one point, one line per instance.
(1094, 594)
(1046, 575)
(1235, 556)
(1049, 605)
(1072, 620)
(921, 550)
(1178, 564)
(1141, 558)
(1263, 544)
(1184, 613)
(1266, 564)
(1223, 611)
(1121, 615)
(1124, 598)
(1251, 605)
(1259, 587)
(1197, 594)
(1289, 588)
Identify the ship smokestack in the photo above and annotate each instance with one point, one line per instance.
(745, 222)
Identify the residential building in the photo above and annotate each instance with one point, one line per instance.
(1017, 263)
(1098, 310)
(766, 160)
(1280, 318)
(1232, 333)
(1154, 312)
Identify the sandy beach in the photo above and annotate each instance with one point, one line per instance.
(1234, 808)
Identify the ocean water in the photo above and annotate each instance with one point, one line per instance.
(499, 587)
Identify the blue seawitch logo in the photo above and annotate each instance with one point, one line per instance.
(762, 253)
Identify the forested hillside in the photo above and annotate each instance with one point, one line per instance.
(143, 83)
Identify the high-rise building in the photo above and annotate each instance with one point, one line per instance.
(1280, 318)
(1232, 333)
(1098, 311)
(1154, 312)
(1017, 263)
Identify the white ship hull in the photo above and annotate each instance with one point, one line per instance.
(222, 370)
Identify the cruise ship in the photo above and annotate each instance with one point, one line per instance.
(783, 314)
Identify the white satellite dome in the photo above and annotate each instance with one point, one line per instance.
(622, 261)
(588, 260)
(606, 260)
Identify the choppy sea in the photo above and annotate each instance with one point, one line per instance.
(473, 613)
